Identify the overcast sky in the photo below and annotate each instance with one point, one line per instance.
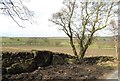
(43, 28)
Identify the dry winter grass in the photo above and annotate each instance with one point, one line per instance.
(90, 51)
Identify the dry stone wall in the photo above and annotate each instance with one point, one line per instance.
(21, 62)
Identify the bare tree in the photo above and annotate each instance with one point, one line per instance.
(64, 19)
(16, 9)
(81, 20)
(114, 30)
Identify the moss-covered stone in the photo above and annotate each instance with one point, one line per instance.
(29, 65)
(6, 62)
(15, 69)
(6, 55)
(58, 60)
(70, 60)
(4, 71)
(43, 58)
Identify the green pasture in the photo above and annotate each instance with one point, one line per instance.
(100, 45)
(99, 42)
(34, 41)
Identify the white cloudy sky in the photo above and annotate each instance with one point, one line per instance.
(43, 28)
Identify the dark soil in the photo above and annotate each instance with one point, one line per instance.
(90, 68)
(63, 72)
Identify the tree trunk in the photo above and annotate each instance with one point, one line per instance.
(82, 52)
(116, 45)
(73, 47)
(85, 47)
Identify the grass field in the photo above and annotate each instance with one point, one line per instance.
(100, 46)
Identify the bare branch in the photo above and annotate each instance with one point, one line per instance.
(82, 20)
(19, 10)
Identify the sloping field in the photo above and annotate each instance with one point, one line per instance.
(68, 50)
(101, 45)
